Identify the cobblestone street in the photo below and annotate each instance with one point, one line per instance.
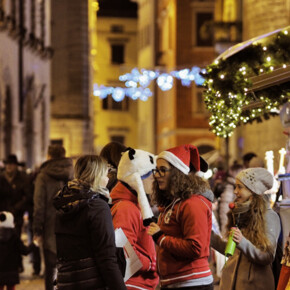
(27, 281)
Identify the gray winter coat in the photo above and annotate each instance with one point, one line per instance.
(226, 197)
(249, 268)
(53, 175)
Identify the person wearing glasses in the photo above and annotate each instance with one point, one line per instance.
(183, 230)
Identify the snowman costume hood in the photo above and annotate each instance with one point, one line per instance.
(136, 165)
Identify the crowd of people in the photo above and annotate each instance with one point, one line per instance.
(177, 223)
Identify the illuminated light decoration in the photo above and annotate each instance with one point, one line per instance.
(137, 82)
(118, 94)
(253, 60)
(165, 82)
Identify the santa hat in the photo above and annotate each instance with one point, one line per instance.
(135, 165)
(6, 219)
(185, 158)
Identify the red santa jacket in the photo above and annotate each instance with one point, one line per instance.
(127, 215)
(184, 246)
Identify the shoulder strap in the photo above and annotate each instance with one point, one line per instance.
(205, 203)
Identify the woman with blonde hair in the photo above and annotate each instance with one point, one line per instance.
(85, 236)
(255, 229)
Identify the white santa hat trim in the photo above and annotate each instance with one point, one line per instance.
(174, 160)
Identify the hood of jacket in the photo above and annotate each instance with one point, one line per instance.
(73, 197)
(208, 194)
(6, 234)
(59, 169)
(122, 191)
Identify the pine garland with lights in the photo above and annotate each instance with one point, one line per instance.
(227, 95)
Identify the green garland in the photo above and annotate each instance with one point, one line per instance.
(228, 83)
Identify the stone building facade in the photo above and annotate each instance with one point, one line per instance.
(71, 79)
(25, 56)
(116, 54)
(185, 39)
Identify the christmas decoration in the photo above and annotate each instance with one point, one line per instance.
(137, 82)
(228, 95)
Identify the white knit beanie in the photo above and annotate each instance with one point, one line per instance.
(6, 219)
(135, 165)
(257, 179)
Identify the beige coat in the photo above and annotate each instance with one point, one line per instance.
(249, 268)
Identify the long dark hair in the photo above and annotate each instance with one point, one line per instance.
(180, 186)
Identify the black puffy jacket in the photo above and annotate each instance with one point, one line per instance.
(85, 240)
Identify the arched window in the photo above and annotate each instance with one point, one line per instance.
(7, 121)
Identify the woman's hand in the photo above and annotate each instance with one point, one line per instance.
(237, 235)
(153, 229)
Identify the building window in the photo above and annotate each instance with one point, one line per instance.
(204, 29)
(117, 28)
(43, 128)
(56, 142)
(198, 102)
(117, 53)
(118, 138)
(8, 121)
(110, 104)
(202, 23)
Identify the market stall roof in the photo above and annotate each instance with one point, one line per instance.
(242, 45)
(248, 81)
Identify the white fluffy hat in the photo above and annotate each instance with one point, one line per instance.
(6, 219)
(135, 165)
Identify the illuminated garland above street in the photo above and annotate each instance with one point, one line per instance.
(228, 94)
(137, 82)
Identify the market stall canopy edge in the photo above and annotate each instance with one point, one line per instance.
(249, 81)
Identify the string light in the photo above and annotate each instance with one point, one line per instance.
(253, 60)
(137, 82)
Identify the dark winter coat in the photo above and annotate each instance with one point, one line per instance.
(13, 195)
(53, 175)
(85, 241)
(11, 249)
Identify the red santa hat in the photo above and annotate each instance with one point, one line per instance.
(185, 158)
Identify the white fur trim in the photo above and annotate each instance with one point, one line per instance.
(174, 160)
(199, 173)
